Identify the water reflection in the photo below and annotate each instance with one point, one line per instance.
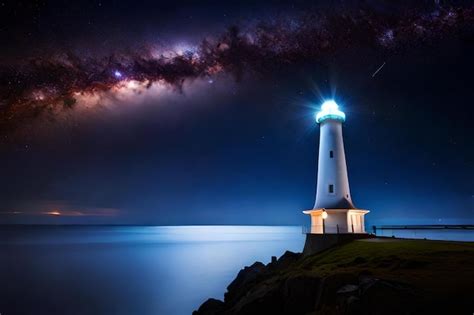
(128, 270)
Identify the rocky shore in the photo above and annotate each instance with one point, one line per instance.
(377, 276)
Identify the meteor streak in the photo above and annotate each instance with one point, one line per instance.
(377, 71)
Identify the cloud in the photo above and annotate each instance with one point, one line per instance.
(54, 208)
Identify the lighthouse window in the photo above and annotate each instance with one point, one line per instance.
(331, 189)
(331, 154)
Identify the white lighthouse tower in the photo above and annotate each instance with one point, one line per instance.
(333, 211)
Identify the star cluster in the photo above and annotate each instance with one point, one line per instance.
(55, 83)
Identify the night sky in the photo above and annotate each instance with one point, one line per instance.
(130, 112)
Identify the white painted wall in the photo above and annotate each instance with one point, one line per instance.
(334, 220)
(356, 220)
(332, 171)
(316, 224)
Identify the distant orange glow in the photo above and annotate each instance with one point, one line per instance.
(54, 212)
(93, 212)
(101, 212)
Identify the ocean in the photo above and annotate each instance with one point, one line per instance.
(114, 270)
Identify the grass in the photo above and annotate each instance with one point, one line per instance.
(442, 269)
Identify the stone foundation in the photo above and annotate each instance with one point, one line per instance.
(316, 243)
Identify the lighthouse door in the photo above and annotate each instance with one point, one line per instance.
(356, 223)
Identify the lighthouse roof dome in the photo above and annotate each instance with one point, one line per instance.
(330, 110)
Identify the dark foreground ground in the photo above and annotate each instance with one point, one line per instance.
(374, 276)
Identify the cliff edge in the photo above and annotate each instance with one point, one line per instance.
(373, 276)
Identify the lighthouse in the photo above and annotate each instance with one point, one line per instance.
(334, 211)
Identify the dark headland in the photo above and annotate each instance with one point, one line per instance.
(373, 276)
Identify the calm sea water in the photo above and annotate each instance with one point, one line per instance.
(128, 270)
(137, 270)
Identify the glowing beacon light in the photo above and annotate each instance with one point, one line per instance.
(117, 74)
(330, 110)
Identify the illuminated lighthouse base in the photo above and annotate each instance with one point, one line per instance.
(336, 221)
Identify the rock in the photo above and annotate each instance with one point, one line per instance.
(292, 296)
(348, 289)
(289, 257)
(265, 298)
(250, 276)
(375, 296)
(352, 306)
(327, 298)
(210, 307)
(366, 280)
(347, 298)
(284, 261)
(387, 297)
(300, 293)
(246, 279)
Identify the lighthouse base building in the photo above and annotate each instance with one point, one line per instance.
(337, 221)
(334, 218)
